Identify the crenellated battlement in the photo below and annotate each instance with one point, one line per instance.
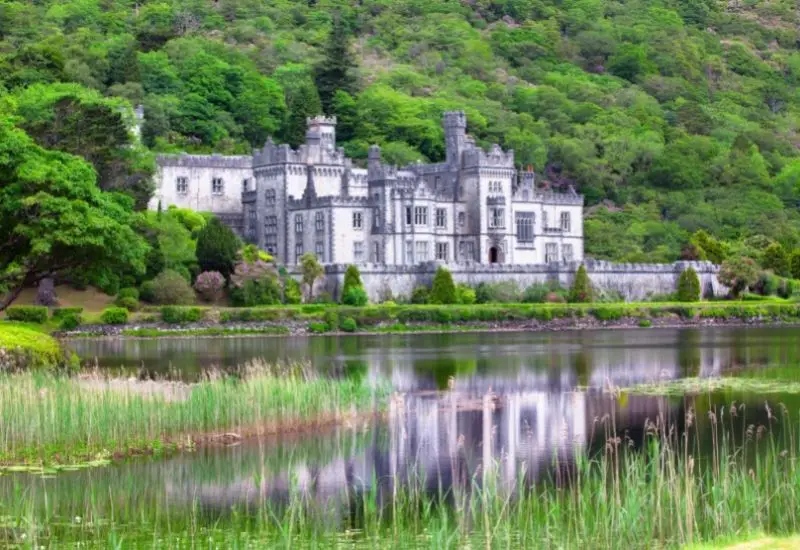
(476, 157)
(206, 161)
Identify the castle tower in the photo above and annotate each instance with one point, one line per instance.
(455, 133)
(321, 131)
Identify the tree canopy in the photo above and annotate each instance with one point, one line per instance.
(54, 218)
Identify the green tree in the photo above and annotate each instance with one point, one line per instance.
(738, 274)
(335, 71)
(54, 219)
(777, 259)
(352, 279)
(217, 248)
(311, 270)
(443, 290)
(70, 118)
(581, 291)
(795, 264)
(688, 286)
(302, 102)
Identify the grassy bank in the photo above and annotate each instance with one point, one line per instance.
(659, 495)
(55, 419)
(28, 346)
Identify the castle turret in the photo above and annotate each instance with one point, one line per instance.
(455, 134)
(321, 131)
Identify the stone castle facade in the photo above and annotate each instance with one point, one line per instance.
(473, 208)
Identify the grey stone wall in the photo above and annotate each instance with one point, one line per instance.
(633, 281)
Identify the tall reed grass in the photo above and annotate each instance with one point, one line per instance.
(662, 494)
(48, 417)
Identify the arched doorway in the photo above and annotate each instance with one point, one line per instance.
(494, 255)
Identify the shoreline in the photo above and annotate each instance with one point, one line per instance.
(221, 330)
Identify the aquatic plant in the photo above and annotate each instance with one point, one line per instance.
(50, 418)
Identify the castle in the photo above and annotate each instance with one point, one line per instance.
(473, 208)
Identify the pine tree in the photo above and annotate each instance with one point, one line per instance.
(581, 291)
(217, 246)
(688, 286)
(335, 72)
(443, 290)
(302, 102)
(353, 290)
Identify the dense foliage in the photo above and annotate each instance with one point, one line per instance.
(443, 290)
(688, 286)
(671, 117)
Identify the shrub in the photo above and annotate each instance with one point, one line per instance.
(27, 314)
(465, 294)
(355, 296)
(170, 288)
(69, 321)
(738, 274)
(292, 294)
(608, 313)
(331, 319)
(317, 327)
(421, 295)
(794, 262)
(352, 279)
(581, 291)
(131, 304)
(443, 290)
(114, 316)
(210, 284)
(776, 259)
(645, 323)
(349, 325)
(61, 312)
(147, 292)
(128, 292)
(217, 247)
(689, 286)
(178, 315)
(504, 292)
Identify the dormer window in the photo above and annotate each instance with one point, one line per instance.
(217, 187)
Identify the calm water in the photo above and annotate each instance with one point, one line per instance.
(550, 403)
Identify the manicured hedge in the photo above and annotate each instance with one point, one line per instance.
(175, 315)
(60, 312)
(27, 314)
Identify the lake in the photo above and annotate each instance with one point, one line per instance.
(532, 404)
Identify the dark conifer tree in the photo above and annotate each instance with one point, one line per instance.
(335, 72)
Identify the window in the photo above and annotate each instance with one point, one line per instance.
(270, 197)
(298, 223)
(319, 250)
(358, 220)
(550, 253)
(497, 219)
(217, 186)
(524, 226)
(420, 215)
(298, 252)
(358, 251)
(182, 185)
(566, 252)
(319, 222)
(462, 217)
(271, 242)
(408, 215)
(422, 251)
(545, 225)
(442, 252)
(245, 185)
(376, 253)
(441, 217)
(565, 221)
(376, 217)
(495, 187)
(409, 252)
(467, 251)
(525, 195)
(271, 225)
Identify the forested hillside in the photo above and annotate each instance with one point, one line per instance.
(676, 118)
